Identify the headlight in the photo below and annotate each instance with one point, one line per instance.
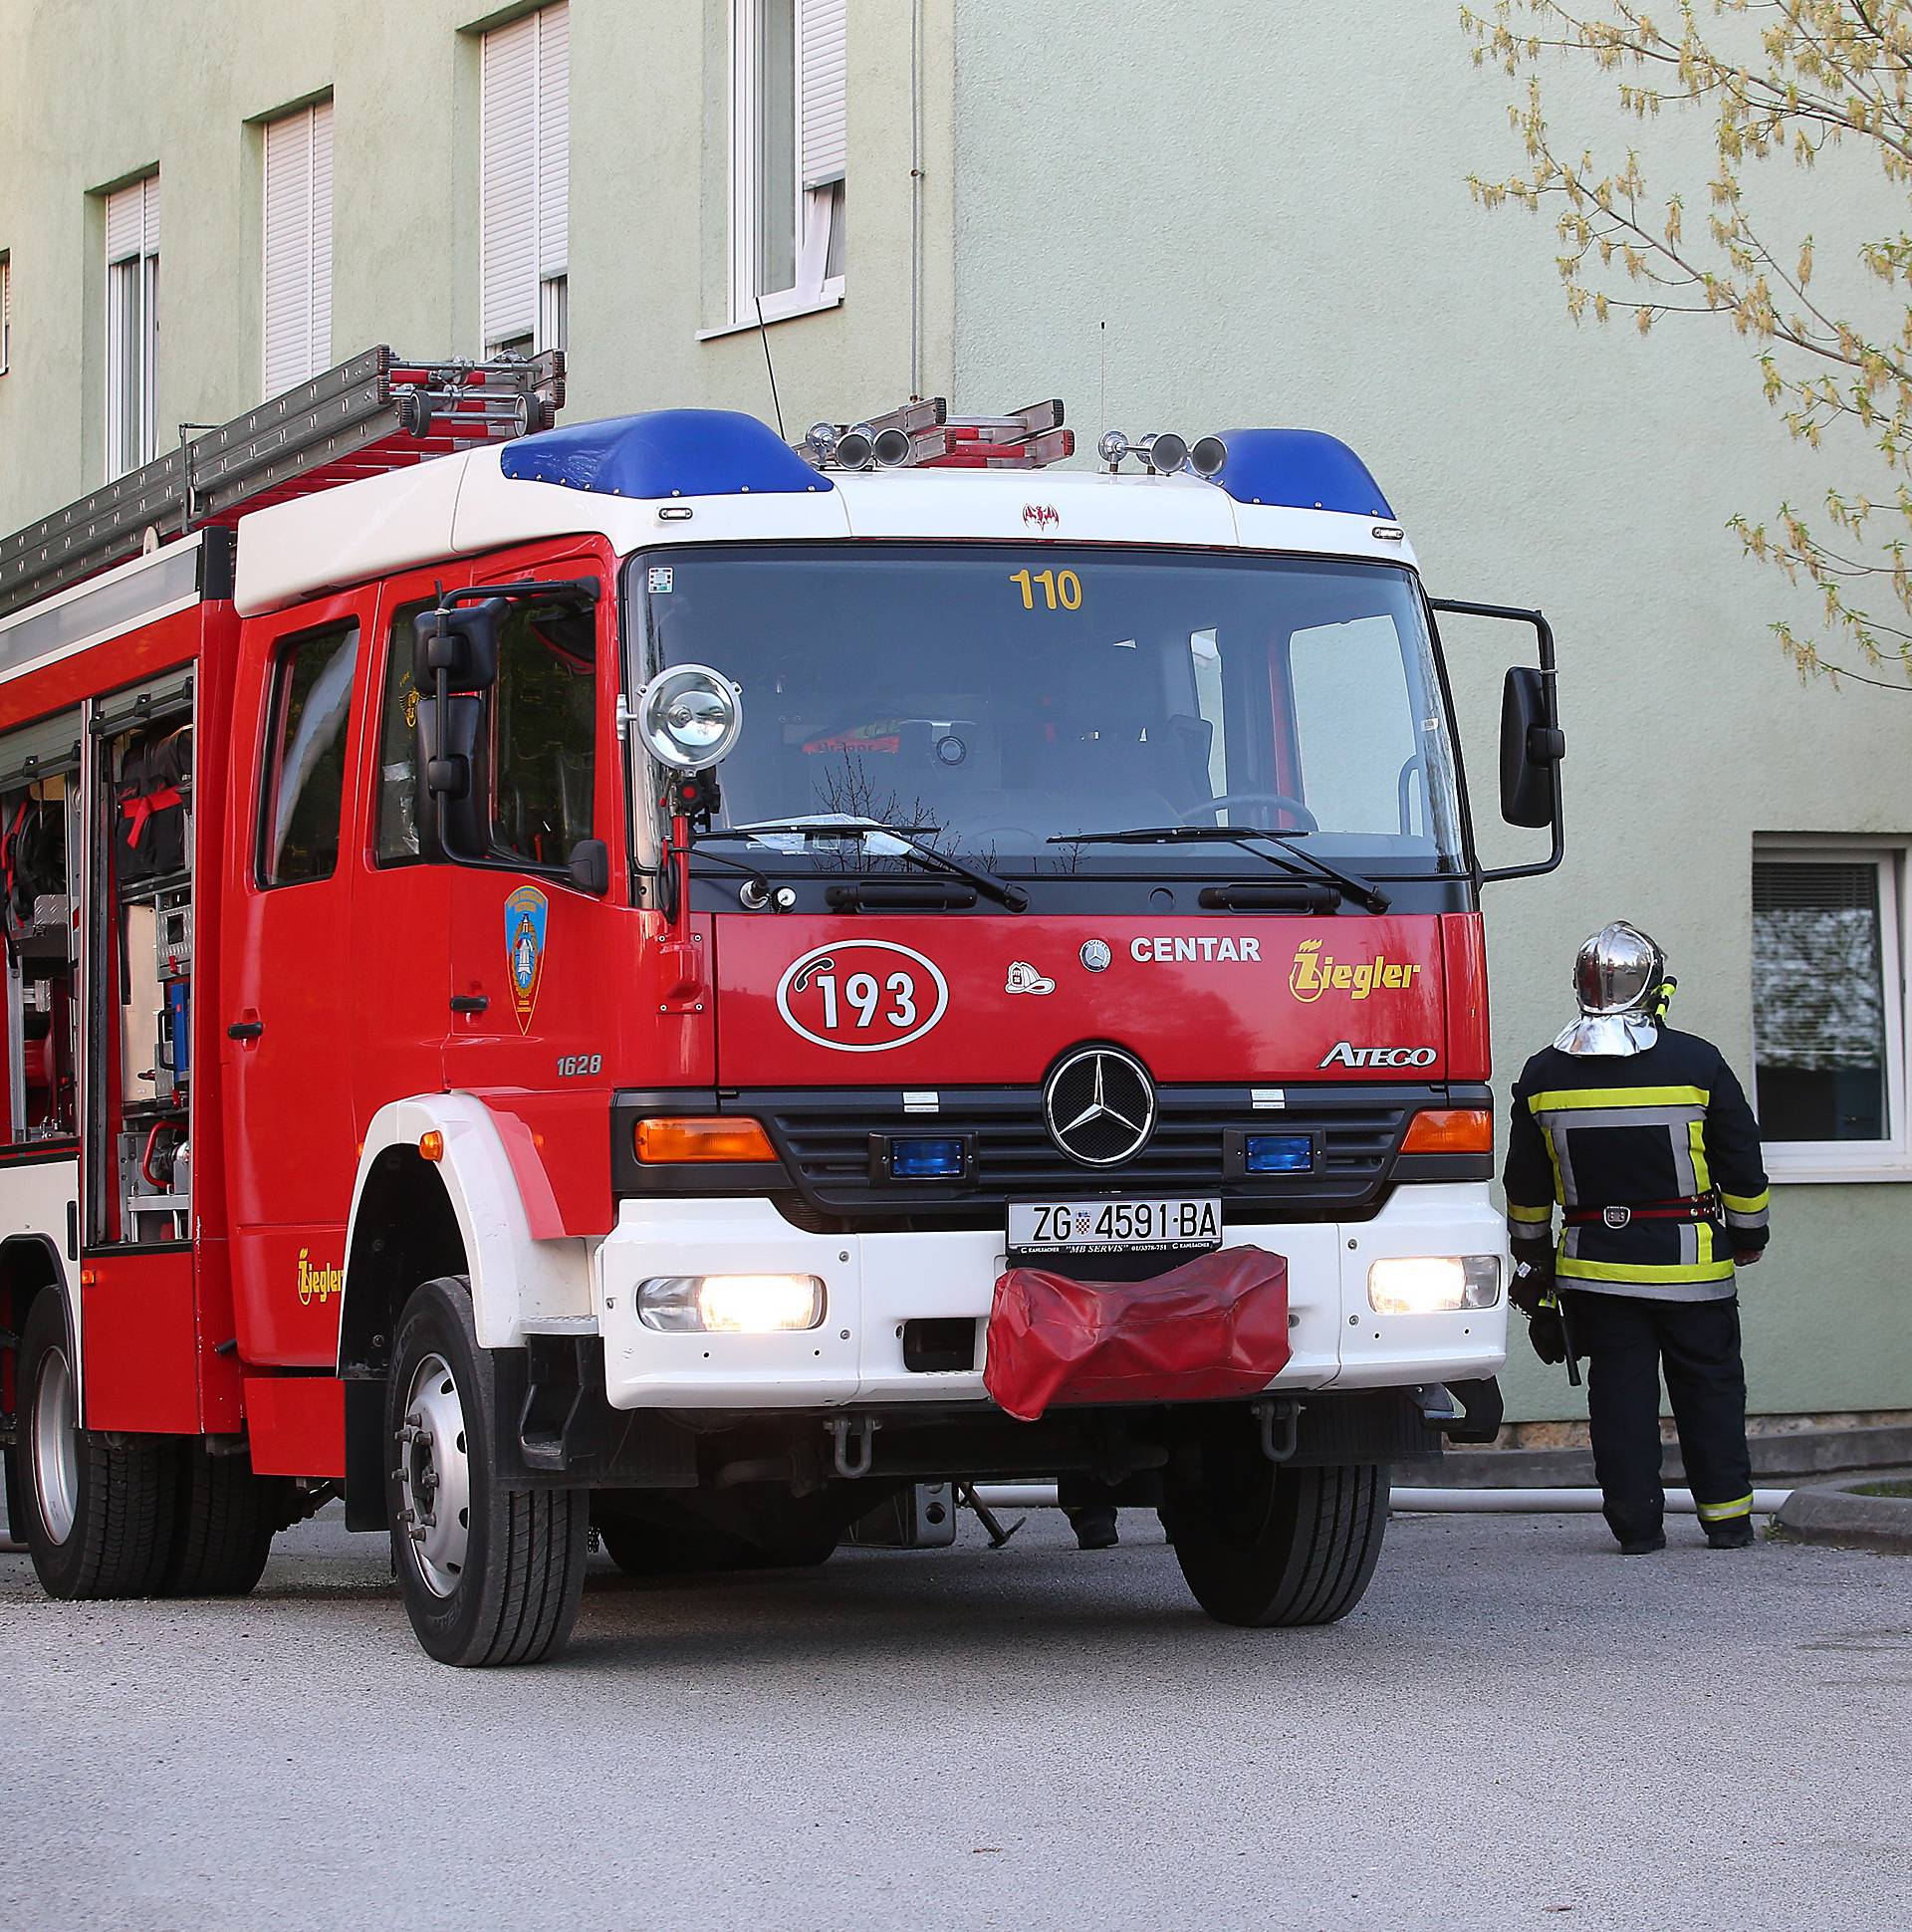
(1433, 1283)
(730, 1304)
(689, 717)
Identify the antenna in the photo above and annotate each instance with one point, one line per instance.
(1101, 336)
(770, 365)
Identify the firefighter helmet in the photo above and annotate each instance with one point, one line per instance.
(1619, 979)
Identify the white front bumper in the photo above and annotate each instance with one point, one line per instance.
(875, 1283)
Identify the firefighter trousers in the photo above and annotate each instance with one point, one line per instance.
(1629, 1342)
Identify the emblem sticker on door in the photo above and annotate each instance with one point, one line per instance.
(861, 996)
(524, 914)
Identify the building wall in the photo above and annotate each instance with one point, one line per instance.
(92, 91)
(1249, 211)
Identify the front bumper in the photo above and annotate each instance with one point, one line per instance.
(875, 1283)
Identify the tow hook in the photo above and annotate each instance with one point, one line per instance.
(1281, 1422)
(853, 1441)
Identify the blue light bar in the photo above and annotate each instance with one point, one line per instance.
(925, 1160)
(1298, 469)
(1278, 1154)
(665, 453)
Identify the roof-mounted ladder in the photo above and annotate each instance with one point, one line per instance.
(379, 411)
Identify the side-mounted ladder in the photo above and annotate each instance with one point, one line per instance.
(379, 411)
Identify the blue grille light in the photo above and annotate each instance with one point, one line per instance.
(1278, 1154)
(925, 1160)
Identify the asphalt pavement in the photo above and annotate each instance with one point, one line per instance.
(1516, 1727)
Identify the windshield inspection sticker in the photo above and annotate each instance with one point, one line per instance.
(660, 580)
(861, 996)
(1023, 978)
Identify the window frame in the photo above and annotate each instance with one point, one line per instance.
(812, 210)
(549, 304)
(132, 333)
(1890, 1159)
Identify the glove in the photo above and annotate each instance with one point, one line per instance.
(1547, 1333)
(1748, 1258)
(1532, 1285)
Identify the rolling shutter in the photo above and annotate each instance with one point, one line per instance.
(132, 221)
(523, 168)
(823, 28)
(297, 246)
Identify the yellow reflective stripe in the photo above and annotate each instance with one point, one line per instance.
(1703, 1229)
(1614, 1271)
(1515, 1212)
(1748, 1203)
(1617, 1096)
(1696, 1147)
(1719, 1512)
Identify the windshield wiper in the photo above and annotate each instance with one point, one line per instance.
(1365, 890)
(1013, 897)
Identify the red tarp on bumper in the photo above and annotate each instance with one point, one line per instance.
(1213, 1328)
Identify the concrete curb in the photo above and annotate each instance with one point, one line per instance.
(1838, 1516)
(1809, 1453)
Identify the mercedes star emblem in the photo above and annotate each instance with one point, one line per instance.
(1096, 955)
(1099, 1105)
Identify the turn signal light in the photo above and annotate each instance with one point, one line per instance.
(680, 1138)
(1450, 1130)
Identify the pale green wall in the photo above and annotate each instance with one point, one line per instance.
(93, 90)
(1266, 205)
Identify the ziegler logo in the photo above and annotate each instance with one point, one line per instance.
(318, 1284)
(1314, 972)
(1345, 1053)
(1041, 515)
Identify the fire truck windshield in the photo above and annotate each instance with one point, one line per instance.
(1007, 696)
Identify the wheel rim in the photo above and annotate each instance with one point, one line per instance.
(434, 1476)
(56, 1452)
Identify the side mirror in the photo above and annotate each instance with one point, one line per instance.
(590, 867)
(1530, 750)
(453, 812)
(460, 640)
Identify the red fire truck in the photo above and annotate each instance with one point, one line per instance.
(552, 976)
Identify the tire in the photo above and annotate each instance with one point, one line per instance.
(489, 1575)
(98, 1507)
(225, 1523)
(1262, 1546)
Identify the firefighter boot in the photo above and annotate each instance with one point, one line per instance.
(1734, 1535)
(1095, 1527)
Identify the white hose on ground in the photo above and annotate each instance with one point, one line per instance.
(1533, 1502)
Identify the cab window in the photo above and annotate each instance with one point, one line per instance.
(543, 732)
(307, 735)
(397, 833)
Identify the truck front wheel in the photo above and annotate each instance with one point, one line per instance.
(489, 1575)
(99, 1506)
(1261, 1545)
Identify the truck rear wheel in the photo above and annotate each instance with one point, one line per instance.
(1263, 1546)
(489, 1575)
(227, 1519)
(99, 1506)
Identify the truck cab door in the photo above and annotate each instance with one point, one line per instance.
(290, 988)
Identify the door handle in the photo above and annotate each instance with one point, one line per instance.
(245, 1030)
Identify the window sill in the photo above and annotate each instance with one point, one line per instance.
(1855, 1171)
(783, 308)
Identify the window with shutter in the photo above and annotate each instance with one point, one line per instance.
(789, 150)
(133, 325)
(1828, 1003)
(524, 182)
(297, 246)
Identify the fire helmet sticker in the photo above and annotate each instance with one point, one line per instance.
(861, 996)
(524, 914)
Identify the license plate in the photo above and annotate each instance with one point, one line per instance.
(1153, 1226)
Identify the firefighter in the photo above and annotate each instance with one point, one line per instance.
(1643, 1138)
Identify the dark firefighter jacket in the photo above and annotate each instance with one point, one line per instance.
(1670, 1125)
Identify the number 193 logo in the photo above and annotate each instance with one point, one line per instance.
(861, 996)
